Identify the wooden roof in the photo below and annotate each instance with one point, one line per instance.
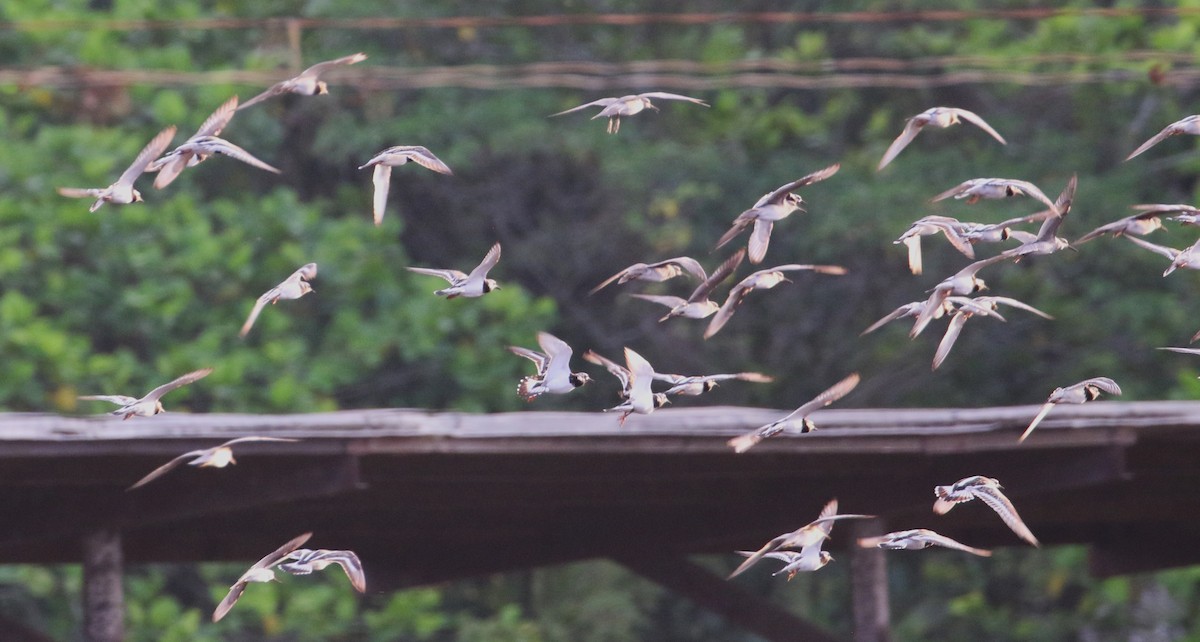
(426, 497)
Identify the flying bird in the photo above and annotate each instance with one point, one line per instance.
(304, 561)
(1187, 214)
(775, 205)
(698, 305)
(979, 188)
(1046, 241)
(760, 280)
(936, 117)
(615, 108)
(553, 368)
(742, 443)
(1189, 125)
(201, 147)
(912, 309)
(962, 283)
(149, 405)
(794, 562)
(966, 310)
(172, 163)
(1140, 224)
(307, 83)
(215, 457)
(929, 226)
(656, 272)
(1188, 257)
(807, 538)
(293, 287)
(700, 384)
(122, 191)
(638, 395)
(1082, 392)
(262, 571)
(988, 491)
(471, 285)
(394, 157)
(917, 539)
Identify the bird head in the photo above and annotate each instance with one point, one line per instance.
(137, 196)
(579, 378)
(490, 284)
(807, 426)
(1005, 233)
(322, 88)
(709, 385)
(826, 558)
(796, 201)
(158, 408)
(660, 400)
(980, 286)
(649, 105)
(305, 288)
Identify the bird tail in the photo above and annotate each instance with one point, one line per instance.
(524, 388)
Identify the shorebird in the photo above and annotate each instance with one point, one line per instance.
(394, 157)
(742, 443)
(172, 163)
(471, 285)
(760, 280)
(1046, 241)
(1187, 214)
(700, 384)
(149, 405)
(807, 538)
(1189, 125)
(912, 309)
(304, 561)
(656, 272)
(122, 191)
(262, 571)
(553, 368)
(979, 188)
(929, 226)
(307, 83)
(775, 205)
(698, 305)
(615, 108)
(937, 117)
(962, 283)
(917, 539)
(638, 395)
(988, 491)
(794, 562)
(293, 287)
(1082, 392)
(1188, 257)
(215, 457)
(204, 146)
(1140, 224)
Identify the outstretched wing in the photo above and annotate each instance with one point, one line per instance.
(946, 542)
(783, 190)
(120, 400)
(151, 151)
(835, 392)
(1103, 383)
(450, 275)
(662, 95)
(489, 261)
(213, 125)
(382, 179)
(974, 119)
(259, 304)
(195, 375)
(996, 500)
(322, 67)
(615, 369)
(165, 468)
(952, 331)
(1167, 132)
(1037, 419)
(911, 129)
(720, 274)
(603, 102)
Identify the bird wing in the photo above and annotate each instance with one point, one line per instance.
(213, 125)
(167, 467)
(669, 301)
(902, 311)
(952, 331)
(835, 270)
(760, 239)
(1014, 303)
(668, 96)
(1036, 420)
(1162, 208)
(426, 159)
(243, 440)
(451, 276)
(195, 375)
(1062, 205)
(915, 264)
(229, 600)
(732, 301)
(270, 92)
(558, 353)
(1167, 132)
(1179, 350)
(322, 67)
(974, 119)
(539, 360)
(641, 374)
(1103, 383)
(603, 102)
(911, 129)
(615, 369)
(151, 151)
(1105, 229)
(1033, 191)
(835, 392)
(382, 179)
(739, 225)
(720, 274)
(961, 244)
(171, 169)
(349, 562)
(783, 190)
(753, 558)
(610, 279)
(1168, 252)
(214, 145)
(956, 190)
(946, 542)
(489, 261)
(79, 192)
(271, 559)
(120, 400)
(259, 304)
(687, 263)
(996, 500)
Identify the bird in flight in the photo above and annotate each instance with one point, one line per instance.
(916, 539)
(215, 457)
(553, 368)
(742, 443)
(122, 191)
(475, 284)
(149, 405)
(807, 538)
(293, 287)
(615, 108)
(935, 117)
(656, 272)
(308, 83)
(988, 491)
(1077, 393)
(394, 157)
(775, 205)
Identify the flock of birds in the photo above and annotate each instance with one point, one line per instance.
(799, 550)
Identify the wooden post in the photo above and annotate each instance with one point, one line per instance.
(868, 585)
(103, 600)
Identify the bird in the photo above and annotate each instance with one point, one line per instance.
(307, 83)
(937, 117)
(917, 539)
(293, 287)
(979, 188)
(639, 397)
(794, 562)
(698, 305)
(172, 163)
(807, 538)
(1186, 350)
(929, 226)
(912, 309)
(988, 491)
(553, 368)
(1188, 257)
(961, 283)
(655, 272)
(760, 280)
(393, 157)
(615, 108)
(1046, 241)
(1187, 214)
(201, 147)
(1188, 125)
(699, 384)
(122, 191)
(1082, 392)
(215, 457)
(304, 561)
(475, 284)
(262, 571)
(775, 205)
(1140, 224)
(149, 405)
(742, 443)
(966, 310)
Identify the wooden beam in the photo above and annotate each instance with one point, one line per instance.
(734, 603)
(103, 598)
(869, 584)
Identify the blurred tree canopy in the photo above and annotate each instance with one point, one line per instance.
(126, 298)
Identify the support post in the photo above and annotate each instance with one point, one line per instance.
(868, 585)
(103, 600)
